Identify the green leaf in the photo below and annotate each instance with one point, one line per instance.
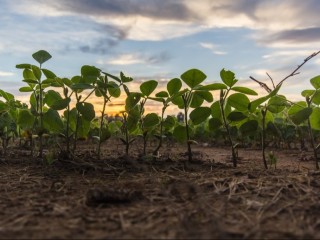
(200, 114)
(244, 90)
(316, 98)
(239, 101)
(236, 116)
(41, 56)
(307, 93)
(174, 86)
(315, 118)
(31, 81)
(132, 122)
(207, 96)
(228, 77)
(213, 86)
(162, 94)
(3, 107)
(28, 74)
(25, 119)
(249, 128)
(48, 73)
(25, 89)
(315, 82)
(52, 121)
(61, 104)
(86, 110)
(196, 101)
(23, 66)
(180, 134)
(51, 97)
(105, 134)
(193, 77)
(81, 86)
(89, 74)
(216, 110)
(132, 100)
(299, 112)
(151, 120)
(148, 87)
(125, 79)
(254, 104)
(277, 104)
(84, 128)
(115, 90)
(214, 124)
(7, 96)
(67, 82)
(169, 122)
(37, 72)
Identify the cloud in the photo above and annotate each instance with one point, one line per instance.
(6, 74)
(137, 58)
(213, 48)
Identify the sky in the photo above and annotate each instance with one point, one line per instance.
(161, 39)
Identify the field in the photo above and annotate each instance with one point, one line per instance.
(132, 197)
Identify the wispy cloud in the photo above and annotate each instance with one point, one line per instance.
(6, 74)
(213, 48)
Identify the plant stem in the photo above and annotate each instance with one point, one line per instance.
(155, 152)
(263, 138)
(234, 155)
(186, 108)
(101, 125)
(41, 117)
(315, 154)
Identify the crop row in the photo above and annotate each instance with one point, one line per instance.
(51, 112)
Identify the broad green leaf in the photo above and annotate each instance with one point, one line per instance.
(148, 87)
(25, 89)
(216, 110)
(316, 98)
(315, 118)
(76, 79)
(30, 81)
(61, 104)
(132, 100)
(67, 82)
(196, 101)
(81, 86)
(51, 97)
(236, 116)
(239, 101)
(244, 90)
(28, 74)
(174, 86)
(7, 96)
(213, 86)
(52, 121)
(315, 82)
(37, 72)
(84, 128)
(48, 73)
(206, 95)
(307, 93)
(193, 77)
(228, 77)
(23, 66)
(25, 119)
(162, 94)
(105, 134)
(90, 71)
(296, 107)
(151, 120)
(115, 90)
(114, 126)
(132, 122)
(254, 104)
(200, 114)
(277, 104)
(169, 122)
(86, 110)
(214, 124)
(124, 78)
(249, 128)
(41, 56)
(301, 116)
(180, 134)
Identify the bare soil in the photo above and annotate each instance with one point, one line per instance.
(120, 198)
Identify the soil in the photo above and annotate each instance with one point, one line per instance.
(132, 197)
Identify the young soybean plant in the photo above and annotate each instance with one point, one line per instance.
(232, 108)
(32, 76)
(193, 97)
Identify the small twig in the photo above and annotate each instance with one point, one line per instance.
(271, 80)
(263, 85)
(299, 66)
